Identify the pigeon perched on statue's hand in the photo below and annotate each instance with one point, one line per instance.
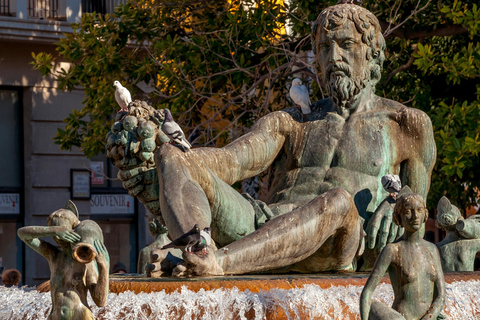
(174, 132)
(122, 96)
(300, 95)
(392, 184)
(193, 240)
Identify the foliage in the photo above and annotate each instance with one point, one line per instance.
(220, 65)
(217, 65)
(442, 78)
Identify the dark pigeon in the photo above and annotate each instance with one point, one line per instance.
(174, 132)
(193, 240)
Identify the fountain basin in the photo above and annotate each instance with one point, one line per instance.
(319, 296)
(254, 283)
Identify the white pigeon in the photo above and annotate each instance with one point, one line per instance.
(174, 132)
(300, 95)
(391, 183)
(122, 95)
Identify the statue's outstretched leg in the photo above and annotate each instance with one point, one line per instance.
(299, 235)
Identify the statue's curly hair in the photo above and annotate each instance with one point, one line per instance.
(365, 22)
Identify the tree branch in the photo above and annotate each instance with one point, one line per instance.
(391, 28)
(406, 34)
(405, 66)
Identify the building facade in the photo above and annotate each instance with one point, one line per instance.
(36, 177)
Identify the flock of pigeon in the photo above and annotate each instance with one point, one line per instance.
(197, 240)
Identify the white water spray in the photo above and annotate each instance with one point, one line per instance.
(309, 302)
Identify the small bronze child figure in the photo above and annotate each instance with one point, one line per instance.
(414, 268)
(79, 265)
(461, 244)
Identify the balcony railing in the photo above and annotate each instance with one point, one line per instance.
(60, 10)
(43, 9)
(100, 6)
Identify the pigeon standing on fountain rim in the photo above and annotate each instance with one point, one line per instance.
(174, 132)
(300, 95)
(122, 96)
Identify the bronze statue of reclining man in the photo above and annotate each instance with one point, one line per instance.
(325, 167)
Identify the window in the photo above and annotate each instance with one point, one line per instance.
(11, 178)
(100, 6)
(43, 9)
(10, 129)
(4, 7)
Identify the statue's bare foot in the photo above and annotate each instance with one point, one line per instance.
(201, 263)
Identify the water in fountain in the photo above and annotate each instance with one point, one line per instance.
(308, 302)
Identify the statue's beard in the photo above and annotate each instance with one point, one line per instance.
(342, 88)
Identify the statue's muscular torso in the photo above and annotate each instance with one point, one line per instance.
(413, 273)
(322, 151)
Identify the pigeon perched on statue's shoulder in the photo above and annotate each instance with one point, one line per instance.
(174, 132)
(300, 96)
(194, 240)
(122, 96)
(392, 184)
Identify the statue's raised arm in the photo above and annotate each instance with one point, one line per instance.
(245, 157)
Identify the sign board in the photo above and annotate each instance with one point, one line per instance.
(80, 184)
(10, 203)
(112, 204)
(97, 172)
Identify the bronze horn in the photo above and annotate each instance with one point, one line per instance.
(84, 252)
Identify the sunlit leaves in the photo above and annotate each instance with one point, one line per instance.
(43, 62)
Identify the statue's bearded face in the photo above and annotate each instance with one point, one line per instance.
(342, 57)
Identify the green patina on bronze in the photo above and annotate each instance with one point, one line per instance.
(324, 167)
(414, 267)
(461, 243)
(81, 263)
(152, 254)
(129, 148)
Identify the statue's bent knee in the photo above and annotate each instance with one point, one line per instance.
(341, 201)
